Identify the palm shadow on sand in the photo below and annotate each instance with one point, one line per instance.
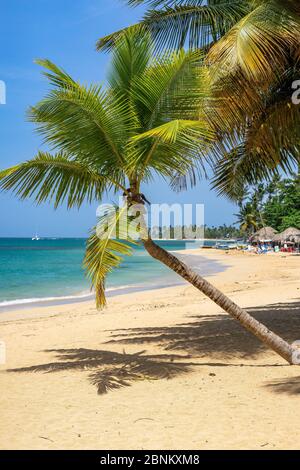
(288, 386)
(110, 370)
(216, 336)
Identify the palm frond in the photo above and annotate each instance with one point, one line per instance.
(181, 22)
(259, 44)
(106, 247)
(268, 136)
(81, 120)
(107, 43)
(157, 3)
(56, 75)
(238, 168)
(174, 147)
(55, 178)
(265, 142)
(161, 92)
(181, 182)
(193, 23)
(130, 59)
(276, 127)
(173, 130)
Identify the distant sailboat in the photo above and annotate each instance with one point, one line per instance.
(36, 238)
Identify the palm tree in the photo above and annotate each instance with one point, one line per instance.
(116, 138)
(247, 218)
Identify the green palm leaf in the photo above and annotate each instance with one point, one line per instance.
(175, 147)
(81, 120)
(238, 168)
(106, 248)
(56, 178)
(130, 60)
(160, 90)
(181, 22)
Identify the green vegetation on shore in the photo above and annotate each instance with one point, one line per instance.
(274, 204)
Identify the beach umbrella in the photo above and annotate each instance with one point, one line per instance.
(295, 238)
(278, 238)
(286, 235)
(265, 234)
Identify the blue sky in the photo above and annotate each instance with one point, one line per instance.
(64, 31)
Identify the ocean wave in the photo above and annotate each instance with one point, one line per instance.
(80, 296)
(34, 300)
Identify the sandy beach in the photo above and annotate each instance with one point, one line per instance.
(195, 379)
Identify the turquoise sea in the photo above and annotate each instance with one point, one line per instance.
(50, 270)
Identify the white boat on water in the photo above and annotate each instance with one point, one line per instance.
(231, 245)
(36, 238)
(226, 245)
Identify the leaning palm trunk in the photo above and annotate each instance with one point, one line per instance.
(272, 340)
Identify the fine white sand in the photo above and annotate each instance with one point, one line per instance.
(226, 391)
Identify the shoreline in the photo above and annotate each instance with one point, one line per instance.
(215, 385)
(191, 256)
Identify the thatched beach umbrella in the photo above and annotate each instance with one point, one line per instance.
(295, 238)
(265, 234)
(286, 235)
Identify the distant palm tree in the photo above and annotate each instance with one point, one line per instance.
(247, 218)
(116, 139)
(251, 203)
